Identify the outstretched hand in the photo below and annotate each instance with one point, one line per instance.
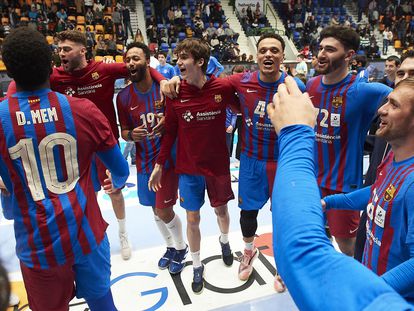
(290, 106)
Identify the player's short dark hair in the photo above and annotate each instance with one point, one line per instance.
(361, 59)
(347, 36)
(238, 69)
(139, 45)
(395, 59)
(72, 35)
(162, 53)
(27, 57)
(407, 54)
(198, 48)
(272, 36)
(301, 56)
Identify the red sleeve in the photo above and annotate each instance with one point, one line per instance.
(156, 75)
(11, 89)
(171, 126)
(233, 82)
(123, 115)
(117, 70)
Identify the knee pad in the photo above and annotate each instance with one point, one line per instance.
(248, 223)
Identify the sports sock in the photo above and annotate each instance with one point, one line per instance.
(224, 238)
(249, 246)
(122, 225)
(196, 259)
(164, 231)
(176, 231)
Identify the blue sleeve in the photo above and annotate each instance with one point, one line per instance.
(401, 277)
(317, 276)
(300, 84)
(373, 95)
(172, 72)
(233, 119)
(116, 164)
(214, 67)
(355, 200)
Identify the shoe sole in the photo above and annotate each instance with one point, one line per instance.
(253, 259)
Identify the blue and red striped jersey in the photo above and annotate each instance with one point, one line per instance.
(390, 218)
(45, 161)
(259, 139)
(135, 109)
(346, 110)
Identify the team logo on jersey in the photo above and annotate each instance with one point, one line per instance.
(389, 193)
(249, 122)
(337, 101)
(188, 116)
(158, 104)
(370, 210)
(95, 75)
(380, 216)
(69, 91)
(218, 98)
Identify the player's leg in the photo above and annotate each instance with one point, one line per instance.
(254, 192)
(93, 278)
(49, 289)
(220, 192)
(118, 205)
(165, 200)
(192, 189)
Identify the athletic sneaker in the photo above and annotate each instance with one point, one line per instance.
(246, 263)
(198, 281)
(226, 253)
(165, 260)
(14, 300)
(125, 246)
(278, 284)
(177, 263)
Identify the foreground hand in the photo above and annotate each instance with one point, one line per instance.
(323, 203)
(154, 182)
(291, 107)
(171, 88)
(158, 130)
(139, 133)
(108, 186)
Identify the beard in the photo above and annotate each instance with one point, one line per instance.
(331, 66)
(140, 74)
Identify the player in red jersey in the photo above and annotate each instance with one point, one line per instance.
(95, 81)
(197, 118)
(139, 110)
(48, 141)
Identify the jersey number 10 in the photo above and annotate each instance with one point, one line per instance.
(24, 149)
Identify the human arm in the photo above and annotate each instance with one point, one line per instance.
(171, 127)
(214, 67)
(116, 164)
(305, 258)
(355, 200)
(401, 277)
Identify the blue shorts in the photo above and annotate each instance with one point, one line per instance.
(54, 288)
(256, 180)
(93, 272)
(192, 190)
(163, 198)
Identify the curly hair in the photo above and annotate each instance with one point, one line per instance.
(27, 57)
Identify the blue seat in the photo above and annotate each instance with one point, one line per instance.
(319, 18)
(342, 10)
(181, 36)
(173, 46)
(164, 47)
(216, 25)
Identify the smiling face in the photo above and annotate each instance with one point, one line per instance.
(397, 116)
(72, 55)
(332, 56)
(189, 68)
(269, 57)
(406, 70)
(136, 63)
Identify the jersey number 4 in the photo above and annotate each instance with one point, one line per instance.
(24, 149)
